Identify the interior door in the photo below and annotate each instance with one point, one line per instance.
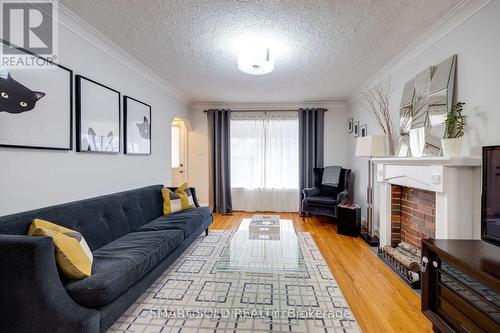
(179, 153)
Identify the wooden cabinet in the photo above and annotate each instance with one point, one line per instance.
(461, 286)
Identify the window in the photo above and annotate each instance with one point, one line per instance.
(264, 159)
(176, 147)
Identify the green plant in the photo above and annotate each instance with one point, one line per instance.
(455, 121)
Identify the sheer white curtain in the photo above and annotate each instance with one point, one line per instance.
(265, 161)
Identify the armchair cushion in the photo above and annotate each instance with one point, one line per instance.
(321, 201)
(310, 192)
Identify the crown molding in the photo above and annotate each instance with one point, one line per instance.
(331, 105)
(81, 28)
(454, 18)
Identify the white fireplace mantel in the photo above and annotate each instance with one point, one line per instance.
(455, 181)
(472, 161)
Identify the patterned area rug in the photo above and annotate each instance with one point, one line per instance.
(192, 296)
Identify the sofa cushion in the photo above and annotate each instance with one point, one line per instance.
(73, 256)
(180, 199)
(187, 221)
(321, 200)
(120, 264)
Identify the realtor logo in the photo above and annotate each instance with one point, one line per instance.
(31, 26)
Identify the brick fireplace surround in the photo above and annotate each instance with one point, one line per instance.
(455, 182)
(412, 215)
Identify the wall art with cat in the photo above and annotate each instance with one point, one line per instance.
(36, 105)
(97, 117)
(137, 126)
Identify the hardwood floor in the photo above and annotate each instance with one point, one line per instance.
(380, 301)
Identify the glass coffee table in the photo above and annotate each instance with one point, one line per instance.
(263, 247)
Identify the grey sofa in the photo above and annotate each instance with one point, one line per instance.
(323, 199)
(132, 244)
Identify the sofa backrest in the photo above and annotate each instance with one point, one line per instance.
(100, 220)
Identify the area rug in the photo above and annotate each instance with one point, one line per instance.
(192, 296)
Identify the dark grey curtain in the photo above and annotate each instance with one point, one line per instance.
(220, 160)
(311, 130)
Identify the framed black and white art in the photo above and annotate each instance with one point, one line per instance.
(36, 105)
(363, 130)
(350, 123)
(356, 129)
(137, 125)
(97, 117)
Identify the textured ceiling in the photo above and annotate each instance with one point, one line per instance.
(324, 48)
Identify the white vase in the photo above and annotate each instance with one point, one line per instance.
(451, 147)
(389, 146)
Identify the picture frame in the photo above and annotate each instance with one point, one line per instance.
(356, 129)
(33, 114)
(98, 117)
(363, 130)
(137, 127)
(350, 125)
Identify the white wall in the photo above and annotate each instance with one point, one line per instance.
(31, 178)
(476, 41)
(198, 154)
(336, 152)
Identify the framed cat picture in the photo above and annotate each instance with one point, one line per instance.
(356, 129)
(97, 117)
(137, 126)
(363, 130)
(36, 105)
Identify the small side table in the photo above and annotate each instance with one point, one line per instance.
(349, 220)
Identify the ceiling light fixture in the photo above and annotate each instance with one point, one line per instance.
(255, 59)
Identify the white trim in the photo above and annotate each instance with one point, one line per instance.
(455, 213)
(331, 105)
(472, 161)
(85, 31)
(454, 18)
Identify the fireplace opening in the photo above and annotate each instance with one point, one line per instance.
(412, 220)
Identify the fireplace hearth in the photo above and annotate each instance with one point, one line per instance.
(412, 220)
(449, 182)
(404, 260)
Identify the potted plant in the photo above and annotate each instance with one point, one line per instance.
(455, 124)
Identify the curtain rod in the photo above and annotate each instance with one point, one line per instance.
(279, 110)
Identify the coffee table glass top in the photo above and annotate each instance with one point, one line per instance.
(263, 247)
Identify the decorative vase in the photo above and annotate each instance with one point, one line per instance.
(389, 145)
(451, 147)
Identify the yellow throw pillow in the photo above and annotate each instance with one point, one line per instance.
(73, 255)
(177, 201)
(186, 196)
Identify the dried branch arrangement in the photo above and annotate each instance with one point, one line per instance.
(377, 103)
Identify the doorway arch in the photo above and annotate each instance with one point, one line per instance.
(179, 151)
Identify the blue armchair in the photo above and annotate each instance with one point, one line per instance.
(323, 199)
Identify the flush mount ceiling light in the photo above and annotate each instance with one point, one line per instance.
(255, 59)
